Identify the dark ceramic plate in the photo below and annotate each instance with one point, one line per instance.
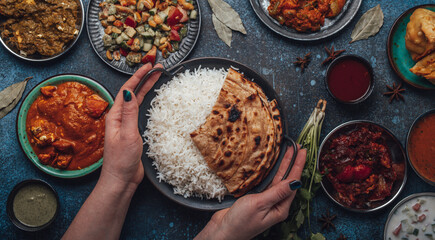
(150, 171)
(67, 47)
(331, 26)
(398, 156)
(400, 59)
(411, 130)
(96, 32)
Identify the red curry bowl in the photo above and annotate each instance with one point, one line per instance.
(397, 154)
(22, 116)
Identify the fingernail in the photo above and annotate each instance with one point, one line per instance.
(127, 95)
(296, 184)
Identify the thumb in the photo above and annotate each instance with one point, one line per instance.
(129, 113)
(279, 192)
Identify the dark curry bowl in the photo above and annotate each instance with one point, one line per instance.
(419, 118)
(66, 48)
(11, 197)
(398, 156)
(22, 117)
(360, 60)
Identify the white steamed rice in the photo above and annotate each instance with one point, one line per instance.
(179, 108)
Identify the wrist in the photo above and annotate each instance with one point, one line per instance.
(213, 230)
(114, 185)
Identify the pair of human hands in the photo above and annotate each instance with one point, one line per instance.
(122, 166)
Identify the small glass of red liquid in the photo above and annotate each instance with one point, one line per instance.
(349, 79)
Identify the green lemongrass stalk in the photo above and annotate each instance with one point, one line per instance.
(300, 208)
(309, 139)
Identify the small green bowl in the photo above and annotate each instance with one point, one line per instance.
(398, 55)
(22, 117)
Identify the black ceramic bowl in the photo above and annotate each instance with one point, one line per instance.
(360, 60)
(11, 197)
(397, 156)
(421, 117)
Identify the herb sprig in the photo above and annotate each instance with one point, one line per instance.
(300, 208)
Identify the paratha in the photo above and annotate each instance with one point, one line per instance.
(240, 138)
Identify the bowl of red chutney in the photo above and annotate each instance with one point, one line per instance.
(420, 146)
(349, 79)
(363, 165)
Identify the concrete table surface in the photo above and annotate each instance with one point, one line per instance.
(153, 216)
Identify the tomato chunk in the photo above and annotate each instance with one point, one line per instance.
(174, 36)
(362, 172)
(177, 27)
(174, 16)
(150, 57)
(130, 41)
(129, 21)
(185, 17)
(123, 52)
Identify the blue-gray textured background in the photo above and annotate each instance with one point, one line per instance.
(151, 215)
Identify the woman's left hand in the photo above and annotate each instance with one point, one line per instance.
(123, 143)
(254, 213)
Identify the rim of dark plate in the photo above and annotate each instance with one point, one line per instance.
(129, 73)
(368, 67)
(258, 11)
(390, 43)
(422, 116)
(70, 46)
(405, 175)
(400, 203)
(229, 199)
(38, 85)
(11, 197)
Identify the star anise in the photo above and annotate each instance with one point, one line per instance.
(326, 220)
(342, 237)
(303, 62)
(395, 92)
(332, 54)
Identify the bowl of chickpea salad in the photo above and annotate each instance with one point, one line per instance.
(128, 33)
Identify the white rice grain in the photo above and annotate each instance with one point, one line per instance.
(179, 108)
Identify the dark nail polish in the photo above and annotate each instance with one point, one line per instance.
(296, 184)
(127, 95)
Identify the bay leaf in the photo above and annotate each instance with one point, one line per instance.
(368, 25)
(224, 32)
(227, 15)
(10, 97)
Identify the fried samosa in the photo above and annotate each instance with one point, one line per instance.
(425, 68)
(420, 33)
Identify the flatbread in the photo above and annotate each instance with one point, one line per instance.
(239, 138)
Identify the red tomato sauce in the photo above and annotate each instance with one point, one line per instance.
(421, 147)
(349, 80)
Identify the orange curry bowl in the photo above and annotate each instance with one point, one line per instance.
(420, 146)
(60, 125)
